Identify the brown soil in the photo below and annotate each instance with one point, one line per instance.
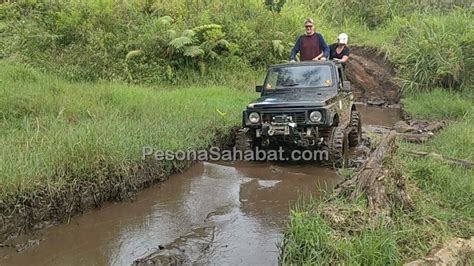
(372, 77)
(455, 252)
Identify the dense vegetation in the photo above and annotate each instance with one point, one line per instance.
(167, 42)
(85, 84)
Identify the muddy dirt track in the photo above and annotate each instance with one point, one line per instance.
(214, 213)
(372, 77)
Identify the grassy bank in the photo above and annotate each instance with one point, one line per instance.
(442, 196)
(69, 141)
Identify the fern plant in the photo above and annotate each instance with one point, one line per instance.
(199, 45)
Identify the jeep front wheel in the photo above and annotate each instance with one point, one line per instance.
(339, 147)
(245, 141)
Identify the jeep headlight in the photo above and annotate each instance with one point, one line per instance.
(254, 117)
(315, 116)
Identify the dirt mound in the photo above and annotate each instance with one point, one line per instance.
(372, 77)
(455, 252)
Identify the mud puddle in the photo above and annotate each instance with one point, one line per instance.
(378, 116)
(214, 213)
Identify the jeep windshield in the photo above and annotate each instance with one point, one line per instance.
(304, 76)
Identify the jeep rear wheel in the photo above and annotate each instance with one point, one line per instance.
(339, 147)
(355, 129)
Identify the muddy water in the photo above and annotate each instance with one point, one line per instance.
(378, 116)
(214, 213)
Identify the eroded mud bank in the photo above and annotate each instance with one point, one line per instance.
(372, 77)
(25, 212)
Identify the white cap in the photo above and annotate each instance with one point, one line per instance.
(343, 38)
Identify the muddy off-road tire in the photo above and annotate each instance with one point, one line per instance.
(339, 147)
(355, 129)
(244, 140)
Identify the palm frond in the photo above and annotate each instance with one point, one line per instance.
(189, 33)
(207, 27)
(223, 43)
(171, 34)
(212, 54)
(278, 47)
(193, 51)
(165, 20)
(180, 42)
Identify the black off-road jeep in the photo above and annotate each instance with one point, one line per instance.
(304, 105)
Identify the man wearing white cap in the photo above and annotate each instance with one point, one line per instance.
(339, 51)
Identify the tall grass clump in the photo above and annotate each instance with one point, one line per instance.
(431, 50)
(53, 131)
(312, 238)
(439, 103)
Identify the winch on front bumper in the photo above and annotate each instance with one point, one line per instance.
(293, 127)
(279, 125)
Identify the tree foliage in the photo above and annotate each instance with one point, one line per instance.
(162, 41)
(275, 5)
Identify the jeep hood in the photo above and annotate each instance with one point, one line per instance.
(296, 99)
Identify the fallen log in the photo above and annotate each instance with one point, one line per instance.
(416, 137)
(373, 182)
(439, 157)
(435, 126)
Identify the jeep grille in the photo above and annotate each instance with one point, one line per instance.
(297, 117)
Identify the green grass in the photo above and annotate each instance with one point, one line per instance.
(439, 104)
(457, 108)
(52, 130)
(311, 238)
(452, 186)
(442, 196)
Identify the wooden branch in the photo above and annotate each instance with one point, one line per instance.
(435, 126)
(439, 157)
(416, 137)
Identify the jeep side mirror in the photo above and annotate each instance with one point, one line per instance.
(259, 88)
(346, 86)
